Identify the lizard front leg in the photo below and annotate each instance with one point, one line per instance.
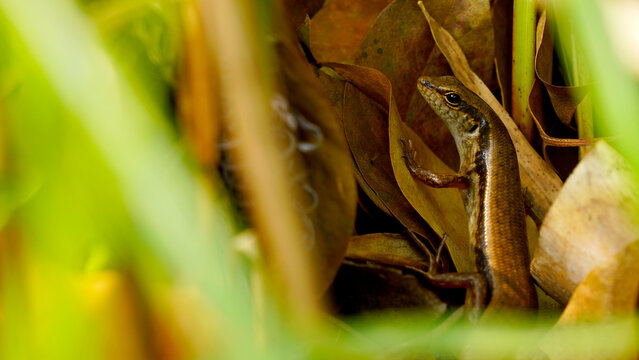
(459, 181)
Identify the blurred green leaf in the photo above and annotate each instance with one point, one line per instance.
(104, 171)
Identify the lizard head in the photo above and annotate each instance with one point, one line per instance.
(458, 107)
(452, 102)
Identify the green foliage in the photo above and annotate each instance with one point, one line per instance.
(96, 178)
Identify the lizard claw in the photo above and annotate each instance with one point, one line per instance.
(409, 154)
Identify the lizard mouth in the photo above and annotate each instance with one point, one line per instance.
(425, 83)
(425, 87)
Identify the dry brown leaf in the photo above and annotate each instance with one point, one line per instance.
(298, 10)
(539, 182)
(441, 208)
(387, 249)
(400, 46)
(329, 186)
(339, 27)
(365, 124)
(593, 218)
(335, 87)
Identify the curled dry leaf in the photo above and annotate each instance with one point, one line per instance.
(336, 88)
(339, 27)
(360, 106)
(593, 218)
(315, 161)
(564, 99)
(366, 127)
(399, 45)
(441, 208)
(541, 116)
(329, 188)
(538, 180)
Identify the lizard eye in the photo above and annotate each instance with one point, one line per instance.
(453, 99)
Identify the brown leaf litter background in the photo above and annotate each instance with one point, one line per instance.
(352, 80)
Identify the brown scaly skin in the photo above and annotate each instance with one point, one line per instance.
(489, 179)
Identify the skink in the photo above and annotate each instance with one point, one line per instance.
(489, 180)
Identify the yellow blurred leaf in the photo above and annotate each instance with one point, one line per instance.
(593, 218)
(610, 289)
(609, 292)
(113, 306)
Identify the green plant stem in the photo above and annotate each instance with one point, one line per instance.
(523, 66)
